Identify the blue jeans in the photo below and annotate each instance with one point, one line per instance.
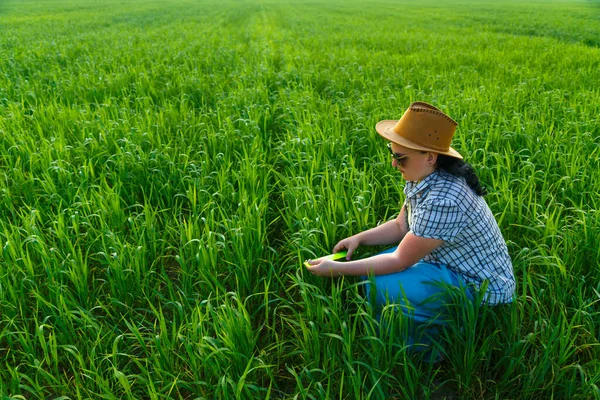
(418, 292)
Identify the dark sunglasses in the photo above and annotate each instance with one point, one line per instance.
(400, 158)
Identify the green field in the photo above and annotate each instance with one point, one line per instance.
(166, 167)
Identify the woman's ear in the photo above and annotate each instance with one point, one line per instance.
(432, 158)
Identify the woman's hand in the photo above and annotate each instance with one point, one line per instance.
(323, 268)
(350, 244)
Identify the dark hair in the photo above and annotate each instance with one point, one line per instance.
(458, 167)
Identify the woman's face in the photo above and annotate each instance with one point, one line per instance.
(416, 165)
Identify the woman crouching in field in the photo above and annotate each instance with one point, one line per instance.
(446, 232)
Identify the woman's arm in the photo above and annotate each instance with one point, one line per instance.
(410, 251)
(390, 232)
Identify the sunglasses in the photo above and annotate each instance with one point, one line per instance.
(400, 158)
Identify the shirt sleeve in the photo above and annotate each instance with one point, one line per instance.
(438, 218)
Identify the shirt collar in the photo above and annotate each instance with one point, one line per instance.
(412, 188)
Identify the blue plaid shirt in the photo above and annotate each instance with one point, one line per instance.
(443, 206)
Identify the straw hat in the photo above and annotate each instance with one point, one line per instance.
(422, 127)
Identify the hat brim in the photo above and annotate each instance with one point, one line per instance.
(386, 129)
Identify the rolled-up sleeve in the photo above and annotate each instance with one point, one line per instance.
(438, 218)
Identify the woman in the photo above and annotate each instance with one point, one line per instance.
(445, 230)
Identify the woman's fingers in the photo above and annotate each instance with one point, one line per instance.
(341, 245)
(350, 244)
(314, 263)
(350, 251)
